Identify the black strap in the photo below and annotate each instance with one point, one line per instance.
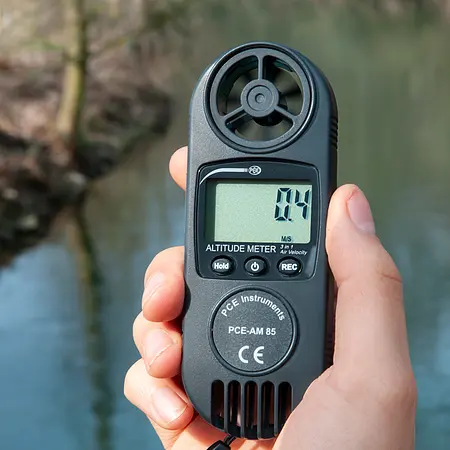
(223, 445)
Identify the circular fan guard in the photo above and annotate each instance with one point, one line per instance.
(260, 98)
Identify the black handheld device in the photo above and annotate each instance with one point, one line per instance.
(259, 311)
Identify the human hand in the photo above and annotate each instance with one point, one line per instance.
(365, 401)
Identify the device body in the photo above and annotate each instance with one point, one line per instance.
(259, 311)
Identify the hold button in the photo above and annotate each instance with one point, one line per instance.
(222, 265)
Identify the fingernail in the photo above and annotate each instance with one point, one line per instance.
(151, 286)
(155, 344)
(167, 404)
(360, 213)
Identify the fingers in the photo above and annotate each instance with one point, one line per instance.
(370, 320)
(158, 340)
(161, 400)
(159, 345)
(178, 167)
(163, 296)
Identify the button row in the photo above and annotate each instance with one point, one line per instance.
(256, 266)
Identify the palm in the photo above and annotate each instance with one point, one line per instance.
(365, 401)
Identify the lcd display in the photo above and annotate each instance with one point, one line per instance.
(269, 212)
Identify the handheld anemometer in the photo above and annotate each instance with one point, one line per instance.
(259, 314)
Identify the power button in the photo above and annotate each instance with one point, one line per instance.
(255, 266)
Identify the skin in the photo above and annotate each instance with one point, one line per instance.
(365, 401)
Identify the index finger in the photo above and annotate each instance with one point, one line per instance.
(163, 296)
(178, 167)
(164, 284)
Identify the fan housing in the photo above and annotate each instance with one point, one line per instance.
(259, 99)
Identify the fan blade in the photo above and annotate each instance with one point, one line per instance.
(238, 86)
(271, 72)
(234, 97)
(252, 131)
(244, 128)
(294, 103)
(247, 77)
(286, 114)
(283, 127)
(233, 101)
(280, 75)
(293, 91)
(266, 134)
(231, 106)
(287, 82)
(236, 118)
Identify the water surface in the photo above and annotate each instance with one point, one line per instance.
(62, 361)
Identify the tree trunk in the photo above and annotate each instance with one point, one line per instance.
(114, 8)
(145, 11)
(68, 122)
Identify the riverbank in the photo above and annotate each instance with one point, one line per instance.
(82, 83)
(39, 174)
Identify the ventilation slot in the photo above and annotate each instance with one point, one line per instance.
(267, 408)
(233, 409)
(250, 411)
(284, 402)
(217, 404)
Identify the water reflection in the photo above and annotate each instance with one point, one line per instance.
(45, 391)
(93, 304)
(63, 360)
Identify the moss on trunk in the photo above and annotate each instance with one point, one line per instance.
(68, 122)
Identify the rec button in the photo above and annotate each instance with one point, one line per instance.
(222, 266)
(289, 266)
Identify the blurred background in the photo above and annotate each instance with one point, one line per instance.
(94, 99)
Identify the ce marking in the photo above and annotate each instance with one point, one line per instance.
(257, 354)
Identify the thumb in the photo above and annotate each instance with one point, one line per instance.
(370, 319)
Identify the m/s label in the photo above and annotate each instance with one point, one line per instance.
(252, 330)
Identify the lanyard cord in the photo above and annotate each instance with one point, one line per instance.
(223, 445)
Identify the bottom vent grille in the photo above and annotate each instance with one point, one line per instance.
(250, 411)
(217, 404)
(267, 410)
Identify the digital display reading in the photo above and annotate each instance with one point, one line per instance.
(266, 212)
